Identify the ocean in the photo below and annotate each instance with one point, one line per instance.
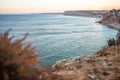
(57, 36)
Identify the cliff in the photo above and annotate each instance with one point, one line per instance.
(103, 65)
(85, 13)
(113, 16)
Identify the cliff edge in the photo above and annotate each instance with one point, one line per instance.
(103, 65)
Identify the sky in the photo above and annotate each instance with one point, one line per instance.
(45, 6)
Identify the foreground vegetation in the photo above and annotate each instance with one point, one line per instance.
(18, 61)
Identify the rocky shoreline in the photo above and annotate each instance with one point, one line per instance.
(104, 65)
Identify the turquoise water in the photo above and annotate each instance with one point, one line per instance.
(57, 36)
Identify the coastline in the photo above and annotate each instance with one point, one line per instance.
(85, 13)
(102, 65)
(93, 14)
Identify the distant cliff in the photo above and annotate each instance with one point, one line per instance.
(85, 13)
(113, 16)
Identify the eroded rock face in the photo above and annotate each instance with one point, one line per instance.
(113, 16)
(104, 65)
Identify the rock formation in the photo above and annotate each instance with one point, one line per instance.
(113, 16)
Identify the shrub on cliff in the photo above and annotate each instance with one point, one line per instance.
(18, 61)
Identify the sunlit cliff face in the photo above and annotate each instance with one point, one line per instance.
(34, 6)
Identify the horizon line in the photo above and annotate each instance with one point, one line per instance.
(52, 12)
